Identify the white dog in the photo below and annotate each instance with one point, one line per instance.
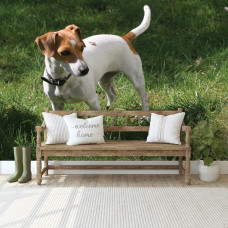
(73, 66)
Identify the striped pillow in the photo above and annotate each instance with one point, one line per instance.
(57, 131)
(165, 129)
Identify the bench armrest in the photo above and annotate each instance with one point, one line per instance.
(39, 130)
(186, 128)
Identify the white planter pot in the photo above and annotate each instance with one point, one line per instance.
(209, 173)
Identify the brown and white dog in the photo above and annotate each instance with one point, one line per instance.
(73, 66)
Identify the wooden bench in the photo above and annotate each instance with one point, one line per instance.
(133, 148)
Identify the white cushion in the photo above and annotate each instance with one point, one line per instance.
(85, 131)
(57, 131)
(165, 129)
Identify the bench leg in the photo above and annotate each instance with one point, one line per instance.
(187, 167)
(46, 165)
(38, 167)
(180, 166)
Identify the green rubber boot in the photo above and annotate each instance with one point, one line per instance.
(18, 164)
(26, 175)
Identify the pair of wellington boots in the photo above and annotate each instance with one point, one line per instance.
(22, 157)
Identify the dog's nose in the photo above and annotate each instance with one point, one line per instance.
(84, 71)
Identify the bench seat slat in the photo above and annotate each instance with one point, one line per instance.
(117, 145)
(110, 153)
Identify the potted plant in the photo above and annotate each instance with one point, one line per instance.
(209, 145)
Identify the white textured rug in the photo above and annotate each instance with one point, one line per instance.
(40, 206)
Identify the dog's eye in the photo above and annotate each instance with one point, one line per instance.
(65, 53)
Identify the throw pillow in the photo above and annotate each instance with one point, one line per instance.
(85, 131)
(165, 129)
(57, 131)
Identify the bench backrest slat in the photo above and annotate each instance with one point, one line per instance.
(126, 128)
(123, 125)
(113, 113)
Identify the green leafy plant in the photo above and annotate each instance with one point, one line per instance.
(208, 142)
(21, 138)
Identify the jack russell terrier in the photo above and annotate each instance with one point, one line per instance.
(73, 66)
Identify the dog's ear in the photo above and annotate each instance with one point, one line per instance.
(76, 30)
(46, 43)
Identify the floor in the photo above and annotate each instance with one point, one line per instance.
(114, 201)
(107, 180)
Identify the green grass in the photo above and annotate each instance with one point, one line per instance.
(184, 54)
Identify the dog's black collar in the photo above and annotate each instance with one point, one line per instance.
(57, 82)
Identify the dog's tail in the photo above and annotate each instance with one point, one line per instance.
(142, 27)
